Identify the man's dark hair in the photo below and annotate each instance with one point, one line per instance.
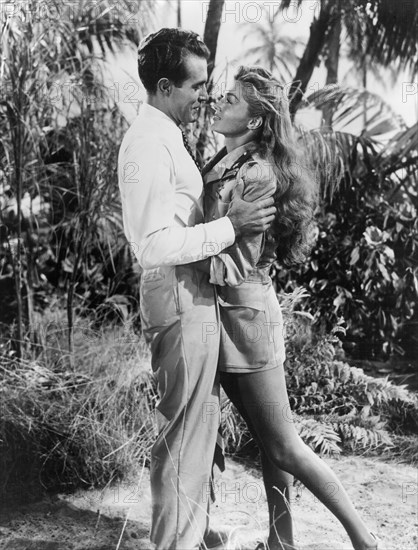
(161, 55)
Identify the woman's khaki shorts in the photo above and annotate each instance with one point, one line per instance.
(251, 328)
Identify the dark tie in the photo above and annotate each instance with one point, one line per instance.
(189, 149)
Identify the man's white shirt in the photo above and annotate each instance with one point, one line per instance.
(161, 190)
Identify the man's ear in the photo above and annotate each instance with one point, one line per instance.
(164, 86)
(255, 123)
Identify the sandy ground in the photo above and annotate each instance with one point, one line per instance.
(118, 518)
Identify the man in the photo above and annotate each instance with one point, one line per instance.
(161, 189)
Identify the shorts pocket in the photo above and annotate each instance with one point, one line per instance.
(244, 327)
(246, 295)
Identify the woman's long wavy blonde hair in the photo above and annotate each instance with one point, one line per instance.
(295, 196)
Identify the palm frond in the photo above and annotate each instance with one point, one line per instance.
(334, 155)
(402, 147)
(349, 106)
(386, 32)
(109, 22)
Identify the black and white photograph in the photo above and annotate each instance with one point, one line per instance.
(208, 275)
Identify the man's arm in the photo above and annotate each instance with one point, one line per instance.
(147, 184)
(232, 266)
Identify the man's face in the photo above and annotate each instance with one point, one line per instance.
(184, 100)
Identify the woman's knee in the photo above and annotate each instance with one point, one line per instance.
(288, 456)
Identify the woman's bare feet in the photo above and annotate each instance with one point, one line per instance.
(372, 543)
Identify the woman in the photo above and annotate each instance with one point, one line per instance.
(260, 154)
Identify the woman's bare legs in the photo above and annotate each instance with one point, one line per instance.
(263, 395)
(277, 483)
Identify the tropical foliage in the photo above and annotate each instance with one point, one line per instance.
(364, 265)
(381, 32)
(336, 406)
(60, 215)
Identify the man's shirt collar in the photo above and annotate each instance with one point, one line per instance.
(152, 112)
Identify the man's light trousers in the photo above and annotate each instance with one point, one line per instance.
(180, 321)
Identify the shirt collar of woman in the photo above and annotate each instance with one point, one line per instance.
(227, 161)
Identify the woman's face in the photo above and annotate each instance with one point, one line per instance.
(231, 113)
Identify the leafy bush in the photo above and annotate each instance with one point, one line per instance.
(364, 265)
(336, 406)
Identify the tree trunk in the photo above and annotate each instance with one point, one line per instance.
(179, 13)
(317, 38)
(212, 27)
(210, 37)
(331, 64)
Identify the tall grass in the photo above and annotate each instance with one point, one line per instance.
(62, 427)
